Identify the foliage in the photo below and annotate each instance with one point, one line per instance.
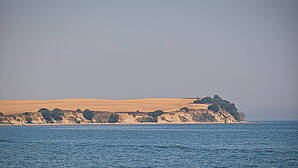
(46, 114)
(213, 107)
(185, 109)
(88, 114)
(203, 117)
(156, 113)
(208, 117)
(1, 114)
(78, 110)
(28, 118)
(113, 118)
(98, 119)
(56, 114)
(147, 119)
(205, 100)
(26, 113)
(219, 103)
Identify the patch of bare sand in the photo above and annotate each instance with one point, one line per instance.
(130, 105)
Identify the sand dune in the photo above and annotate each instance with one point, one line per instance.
(131, 105)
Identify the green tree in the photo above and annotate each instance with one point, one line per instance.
(217, 103)
(46, 114)
(26, 113)
(147, 119)
(156, 113)
(213, 107)
(88, 114)
(185, 109)
(205, 100)
(28, 119)
(113, 118)
(1, 114)
(57, 114)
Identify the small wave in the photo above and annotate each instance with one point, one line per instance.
(6, 141)
(171, 147)
(149, 146)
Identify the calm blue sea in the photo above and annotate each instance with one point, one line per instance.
(264, 144)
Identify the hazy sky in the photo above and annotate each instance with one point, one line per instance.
(245, 51)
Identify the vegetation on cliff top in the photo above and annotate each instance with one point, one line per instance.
(113, 118)
(49, 116)
(217, 103)
(88, 114)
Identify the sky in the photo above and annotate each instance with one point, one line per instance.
(244, 51)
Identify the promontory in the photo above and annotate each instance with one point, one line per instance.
(133, 111)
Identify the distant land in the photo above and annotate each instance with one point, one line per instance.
(133, 111)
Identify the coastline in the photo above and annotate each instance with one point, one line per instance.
(144, 123)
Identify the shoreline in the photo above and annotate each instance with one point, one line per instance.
(145, 123)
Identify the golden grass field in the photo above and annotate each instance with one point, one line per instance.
(131, 105)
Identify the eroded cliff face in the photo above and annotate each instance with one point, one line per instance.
(196, 116)
(75, 117)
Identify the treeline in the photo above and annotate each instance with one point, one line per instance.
(50, 116)
(56, 115)
(152, 116)
(217, 103)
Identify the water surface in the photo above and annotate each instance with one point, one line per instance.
(265, 144)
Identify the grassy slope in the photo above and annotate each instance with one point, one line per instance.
(131, 105)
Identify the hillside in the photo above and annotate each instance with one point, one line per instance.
(131, 105)
(134, 111)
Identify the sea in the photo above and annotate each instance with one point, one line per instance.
(258, 144)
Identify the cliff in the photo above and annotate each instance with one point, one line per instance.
(153, 111)
(75, 117)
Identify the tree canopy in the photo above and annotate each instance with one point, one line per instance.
(88, 114)
(46, 114)
(218, 103)
(156, 113)
(113, 118)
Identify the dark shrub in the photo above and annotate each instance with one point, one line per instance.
(203, 117)
(88, 114)
(28, 119)
(1, 114)
(98, 119)
(185, 109)
(147, 119)
(26, 113)
(113, 118)
(78, 110)
(208, 117)
(216, 97)
(219, 102)
(205, 100)
(156, 113)
(213, 107)
(46, 114)
(56, 114)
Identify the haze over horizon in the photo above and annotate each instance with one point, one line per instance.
(244, 51)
